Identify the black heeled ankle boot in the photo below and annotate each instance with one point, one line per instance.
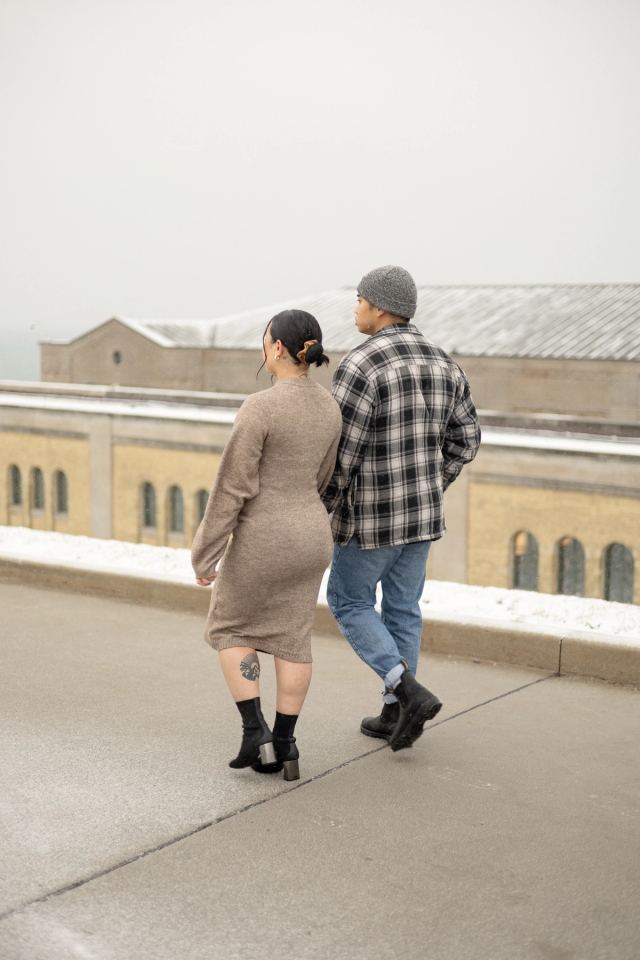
(257, 741)
(285, 747)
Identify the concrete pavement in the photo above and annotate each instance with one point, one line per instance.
(511, 830)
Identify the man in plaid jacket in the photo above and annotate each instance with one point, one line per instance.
(409, 426)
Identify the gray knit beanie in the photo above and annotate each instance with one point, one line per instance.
(391, 289)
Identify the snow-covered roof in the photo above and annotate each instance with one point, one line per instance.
(153, 410)
(158, 410)
(560, 443)
(564, 321)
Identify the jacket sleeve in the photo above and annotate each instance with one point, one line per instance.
(236, 482)
(462, 435)
(327, 466)
(355, 397)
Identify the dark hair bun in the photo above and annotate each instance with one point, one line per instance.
(315, 353)
(295, 328)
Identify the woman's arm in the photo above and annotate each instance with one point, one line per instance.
(237, 481)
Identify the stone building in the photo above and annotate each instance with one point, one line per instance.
(550, 503)
(563, 349)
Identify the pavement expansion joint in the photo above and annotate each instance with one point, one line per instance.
(251, 806)
(484, 703)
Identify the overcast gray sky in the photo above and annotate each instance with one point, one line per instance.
(190, 158)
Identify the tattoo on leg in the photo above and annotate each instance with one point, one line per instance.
(250, 666)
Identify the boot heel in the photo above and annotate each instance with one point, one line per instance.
(291, 770)
(267, 753)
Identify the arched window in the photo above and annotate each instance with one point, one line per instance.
(148, 505)
(525, 561)
(176, 510)
(37, 489)
(570, 567)
(15, 486)
(202, 498)
(62, 492)
(618, 573)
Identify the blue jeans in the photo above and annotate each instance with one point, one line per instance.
(381, 641)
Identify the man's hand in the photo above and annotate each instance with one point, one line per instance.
(205, 581)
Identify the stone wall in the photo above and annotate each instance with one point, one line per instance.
(106, 460)
(50, 452)
(588, 388)
(135, 465)
(140, 362)
(595, 499)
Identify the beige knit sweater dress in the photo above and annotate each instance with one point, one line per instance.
(277, 461)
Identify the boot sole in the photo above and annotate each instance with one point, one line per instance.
(377, 736)
(426, 711)
(267, 767)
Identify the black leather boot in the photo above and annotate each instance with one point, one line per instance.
(384, 725)
(417, 705)
(286, 751)
(257, 741)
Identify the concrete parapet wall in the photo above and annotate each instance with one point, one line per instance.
(530, 646)
(569, 652)
(154, 592)
(588, 656)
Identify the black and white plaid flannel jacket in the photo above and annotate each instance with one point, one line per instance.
(409, 426)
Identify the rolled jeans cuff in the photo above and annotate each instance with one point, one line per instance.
(393, 677)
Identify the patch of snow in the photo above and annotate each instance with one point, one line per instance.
(603, 619)
(559, 613)
(91, 553)
(150, 409)
(506, 438)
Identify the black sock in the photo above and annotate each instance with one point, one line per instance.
(285, 725)
(251, 713)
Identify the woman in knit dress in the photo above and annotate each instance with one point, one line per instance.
(277, 461)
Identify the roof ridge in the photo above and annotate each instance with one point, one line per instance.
(554, 321)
